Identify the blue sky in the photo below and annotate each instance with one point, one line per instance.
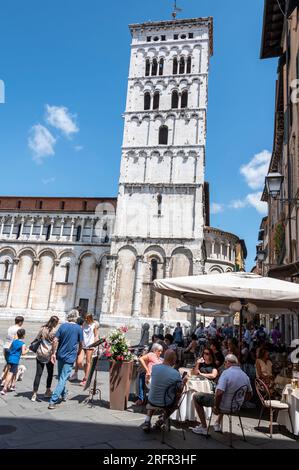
(73, 56)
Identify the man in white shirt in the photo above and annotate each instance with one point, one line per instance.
(11, 335)
(231, 380)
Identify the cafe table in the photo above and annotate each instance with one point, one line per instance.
(290, 396)
(187, 410)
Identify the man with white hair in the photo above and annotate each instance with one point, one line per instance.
(231, 380)
(66, 345)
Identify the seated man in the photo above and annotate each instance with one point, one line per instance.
(229, 382)
(162, 378)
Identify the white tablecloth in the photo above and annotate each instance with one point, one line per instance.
(291, 397)
(187, 409)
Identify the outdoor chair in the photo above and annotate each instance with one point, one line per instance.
(267, 402)
(164, 421)
(235, 408)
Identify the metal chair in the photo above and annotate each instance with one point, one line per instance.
(177, 390)
(235, 407)
(273, 405)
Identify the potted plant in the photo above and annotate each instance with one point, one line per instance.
(121, 367)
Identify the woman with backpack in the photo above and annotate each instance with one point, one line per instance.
(43, 356)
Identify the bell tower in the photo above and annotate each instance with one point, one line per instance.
(160, 210)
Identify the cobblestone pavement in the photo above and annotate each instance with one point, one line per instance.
(28, 425)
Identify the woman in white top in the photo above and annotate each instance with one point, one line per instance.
(90, 335)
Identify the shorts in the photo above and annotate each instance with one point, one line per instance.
(13, 368)
(204, 399)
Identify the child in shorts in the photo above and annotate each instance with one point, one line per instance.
(16, 350)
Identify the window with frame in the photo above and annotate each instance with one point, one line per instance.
(147, 101)
(184, 99)
(163, 135)
(175, 99)
(175, 66)
(156, 100)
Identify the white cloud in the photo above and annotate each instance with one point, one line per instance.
(238, 204)
(48, 180)
(216, 208)
(78, 148)
(41, 142)
(60, 118)
(256, 170)
(254, 199)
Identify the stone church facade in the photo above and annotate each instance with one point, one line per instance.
(104, 254)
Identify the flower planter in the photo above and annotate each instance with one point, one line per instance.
(120, 376)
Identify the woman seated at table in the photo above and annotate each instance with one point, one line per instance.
(263, 366)
(205, 367)
(147, 361)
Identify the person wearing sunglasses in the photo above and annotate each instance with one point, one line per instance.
(205, 368)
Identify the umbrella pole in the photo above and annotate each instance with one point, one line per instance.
(241, 316)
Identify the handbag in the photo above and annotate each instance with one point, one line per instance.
(35, 344)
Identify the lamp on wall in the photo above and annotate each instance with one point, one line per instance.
(273, 183)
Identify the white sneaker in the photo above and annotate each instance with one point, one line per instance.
(200, 430)
(217, 427)
(33, 398)
(74, 376)
(197, 427)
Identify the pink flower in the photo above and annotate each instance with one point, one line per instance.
(124, 329)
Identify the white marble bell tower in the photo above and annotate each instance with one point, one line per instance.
(160, 210)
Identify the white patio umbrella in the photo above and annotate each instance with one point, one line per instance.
(218, 291)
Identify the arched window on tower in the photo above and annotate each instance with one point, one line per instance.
(154, 269)
(147, 67)
(154, 67)
(184, 99)
(182, 65)
(163, 135)
(78, 234)
(6, 269)
(67, 273)
(189, 64)
(174, 100)
(161, 66)
(147, 101)
(156, 100)
(159, 201)
(175, 66)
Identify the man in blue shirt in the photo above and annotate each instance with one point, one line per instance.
(67, 344)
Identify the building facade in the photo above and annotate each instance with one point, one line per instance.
(104, 254)
(278, 249)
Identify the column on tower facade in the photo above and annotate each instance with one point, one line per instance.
(91, 229)
(72, 230)
(108, 283)
(61, 228)
(138, 287)
(12, 227)
(2, 226)
(31, 227)
(76, 279)
(51, 304)
(41, 228)
(165, 301)
(11, 285)
(51, 228)
(32, 283)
